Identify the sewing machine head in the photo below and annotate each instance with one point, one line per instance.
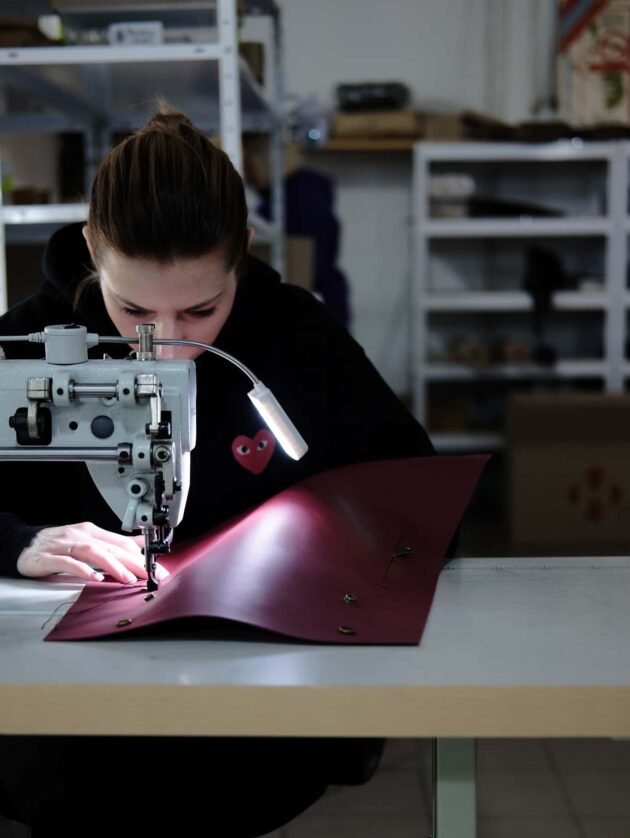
(131, 421)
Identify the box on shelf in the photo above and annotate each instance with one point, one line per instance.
(400, 123)
(134, 33)
(62, 5)
(448, 413)
(21, 32)
(29, 195)
(462, 125)
(425, 125)
(569, 473)
(128, 22)
(299, 260)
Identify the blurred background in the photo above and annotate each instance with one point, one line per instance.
(450, 177)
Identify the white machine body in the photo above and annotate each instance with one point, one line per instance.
(131, 421)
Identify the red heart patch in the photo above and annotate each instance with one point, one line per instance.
(254, 454)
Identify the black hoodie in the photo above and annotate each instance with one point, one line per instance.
(319, 374)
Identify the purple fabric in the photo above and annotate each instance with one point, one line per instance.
(359, 547)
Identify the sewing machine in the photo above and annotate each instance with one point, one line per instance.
(131, 421)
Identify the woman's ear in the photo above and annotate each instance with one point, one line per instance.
(250, 237)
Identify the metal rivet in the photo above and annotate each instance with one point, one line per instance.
(347, 630)
(350, 598)
(149, 597)
(124, 622)
(402, 551)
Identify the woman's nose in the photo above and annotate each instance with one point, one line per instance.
(172, 330)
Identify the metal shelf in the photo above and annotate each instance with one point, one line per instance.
(580, 190)
(511, 301)
(562, 370)
(458, 228)
(119, 87)
(363, 144)
(44, 215)
(107, 54)
(573, 150)
(102, 89)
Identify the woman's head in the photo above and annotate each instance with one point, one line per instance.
(167, 230)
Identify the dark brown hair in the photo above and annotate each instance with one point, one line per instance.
(166, 192)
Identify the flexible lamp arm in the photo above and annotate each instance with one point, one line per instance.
(268, 407)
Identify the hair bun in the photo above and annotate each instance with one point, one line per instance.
(165, 193)
(167, 117)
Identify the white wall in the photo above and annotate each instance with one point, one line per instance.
(435, 46)
(487, 55)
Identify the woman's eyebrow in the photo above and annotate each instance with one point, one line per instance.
(127, 303)
(203, 304)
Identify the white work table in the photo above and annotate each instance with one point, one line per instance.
(513, 647)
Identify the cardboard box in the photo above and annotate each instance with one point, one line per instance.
(299, 260)
(464, 125)
(21, 32)
(426, 125)
(63, 5)
(400, 123)
(569, 473)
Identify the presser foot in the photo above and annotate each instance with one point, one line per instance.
(152, 582)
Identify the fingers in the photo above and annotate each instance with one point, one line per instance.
(79, 549)
(46, 564)
(121, 565)
(112, 561)
(125, 553)
(128, 543)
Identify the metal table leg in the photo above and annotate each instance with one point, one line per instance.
(454, 789)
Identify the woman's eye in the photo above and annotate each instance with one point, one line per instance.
(141, 312)
(206, 312)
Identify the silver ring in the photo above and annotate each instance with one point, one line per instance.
(70, 549)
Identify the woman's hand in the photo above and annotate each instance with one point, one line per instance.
(79, 549)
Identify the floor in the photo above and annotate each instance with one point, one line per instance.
(566, 788)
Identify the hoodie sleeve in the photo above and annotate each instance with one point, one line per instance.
(368, 420)
(365, 420)
(15, 535)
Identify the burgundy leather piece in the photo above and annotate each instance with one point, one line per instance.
(288, 565)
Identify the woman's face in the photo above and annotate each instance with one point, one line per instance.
(187, 298)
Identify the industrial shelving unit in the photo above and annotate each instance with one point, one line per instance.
(103, 89)
(468, 271)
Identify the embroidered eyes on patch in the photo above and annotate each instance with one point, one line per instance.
(244, 449)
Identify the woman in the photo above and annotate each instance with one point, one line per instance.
(166, 242)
